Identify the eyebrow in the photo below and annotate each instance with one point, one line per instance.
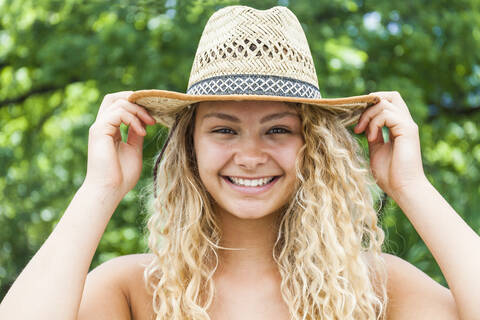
(270, 117)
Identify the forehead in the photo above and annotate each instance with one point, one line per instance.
(250, 109)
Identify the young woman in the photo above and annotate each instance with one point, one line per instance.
(263, 206)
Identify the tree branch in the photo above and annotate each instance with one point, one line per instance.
(34, 91)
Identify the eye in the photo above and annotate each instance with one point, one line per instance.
(278, 130)
(224, 130)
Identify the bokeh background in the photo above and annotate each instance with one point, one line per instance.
(59, 58)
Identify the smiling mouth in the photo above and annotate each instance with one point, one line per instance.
(251, 182)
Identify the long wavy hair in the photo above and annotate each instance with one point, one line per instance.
(328, 246)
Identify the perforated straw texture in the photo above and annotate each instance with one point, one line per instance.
(249, 54)
(242, 40)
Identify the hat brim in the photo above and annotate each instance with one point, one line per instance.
(164, 105)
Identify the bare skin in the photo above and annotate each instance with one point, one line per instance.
(406, 286)
(246, 279)
(55, 284)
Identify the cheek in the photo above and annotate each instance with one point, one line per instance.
(286, 156)
(211, 157)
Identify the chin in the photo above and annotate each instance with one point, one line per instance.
(248, 212)
(250, 216)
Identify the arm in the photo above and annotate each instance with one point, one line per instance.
(454, 245)
(51, 284)
(397, 167)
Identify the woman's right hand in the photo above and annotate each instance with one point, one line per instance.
(114, 165)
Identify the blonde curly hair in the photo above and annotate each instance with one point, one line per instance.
(328, 246)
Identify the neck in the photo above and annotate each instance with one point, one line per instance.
(252, 241)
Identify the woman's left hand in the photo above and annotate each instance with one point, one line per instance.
(396, 164)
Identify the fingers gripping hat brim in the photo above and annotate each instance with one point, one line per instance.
(164, 105)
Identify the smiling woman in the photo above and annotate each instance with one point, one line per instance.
(264, 206)
(277, 193)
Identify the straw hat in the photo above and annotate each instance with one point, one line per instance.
(249, 54)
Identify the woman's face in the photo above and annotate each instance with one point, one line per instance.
(246, 153)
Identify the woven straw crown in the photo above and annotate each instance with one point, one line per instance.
(269, 43)
(249, 54)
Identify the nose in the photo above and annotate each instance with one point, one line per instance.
(249, 154)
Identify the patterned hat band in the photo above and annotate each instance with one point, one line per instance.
(254, 84)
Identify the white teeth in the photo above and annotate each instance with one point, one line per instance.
(251, 182)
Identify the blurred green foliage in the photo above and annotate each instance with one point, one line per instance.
(59, 58)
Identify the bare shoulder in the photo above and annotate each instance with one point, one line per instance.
(414, 295)
(115, 290)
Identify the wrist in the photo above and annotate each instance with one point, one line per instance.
(105, 193)
(411, 190)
